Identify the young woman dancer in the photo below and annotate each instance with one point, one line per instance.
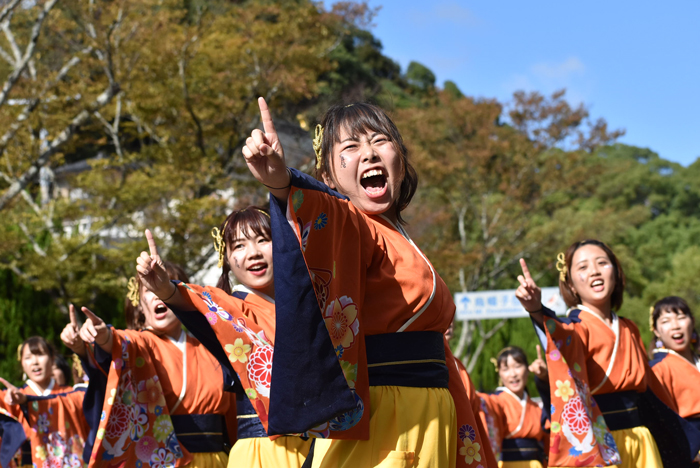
(163, 402)
(603, 355)
(517, 417)
(353, 289)
(675, 361)
(51, 414)
(244, 244)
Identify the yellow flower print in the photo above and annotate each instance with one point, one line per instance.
(564, 390)
(341, 321)
(41, 453)
(237, 351)
(470, 451)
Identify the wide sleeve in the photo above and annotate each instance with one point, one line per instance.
(59, 428)
(135, 428)
(322, 248)
(579, 435)
(12, 434)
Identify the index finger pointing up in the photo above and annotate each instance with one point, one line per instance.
(151, 244)
(73, 316)
(539, 352)
(268, 125)
(7, 384)
(526, 271)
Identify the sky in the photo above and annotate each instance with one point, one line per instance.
(636, 64)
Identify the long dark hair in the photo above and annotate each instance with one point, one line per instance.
(250, 221)
(361, 118)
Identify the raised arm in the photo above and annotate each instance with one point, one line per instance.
(265, 157)
(154, 277)
(529, 294)
(71, 334)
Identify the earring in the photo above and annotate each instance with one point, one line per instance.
(694, 338)
(659, 344)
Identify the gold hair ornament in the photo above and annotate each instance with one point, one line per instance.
(77, 368)
(561, 266)
(318, 140)
(132, 291)
(219, 243)
(19, 352)
(494, 361)
(651, 318)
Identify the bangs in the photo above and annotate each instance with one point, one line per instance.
(515, 352)
(38, 346)
(251, 222)
(672, 305)
(360, 119)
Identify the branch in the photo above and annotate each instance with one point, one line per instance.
(80, 119)
(484, 338)
(36, 246)
(186, 95)
(9, 8)
(29, 51)
(89, 238)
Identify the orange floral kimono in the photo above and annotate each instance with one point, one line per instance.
(682, 381)
(54, 426)
(164, 401)
(600, 381)
(519, 422)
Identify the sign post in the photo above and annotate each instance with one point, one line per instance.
(486, 305)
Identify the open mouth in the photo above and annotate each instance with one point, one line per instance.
(374, 183)
(160, 311)
(598, 285)
(678, 338)
(258, 269)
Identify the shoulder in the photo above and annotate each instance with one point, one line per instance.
(659, 358)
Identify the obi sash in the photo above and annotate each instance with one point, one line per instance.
(521, 449)
(201, 433)
(249, 425)
(625, 410)
(407, 359)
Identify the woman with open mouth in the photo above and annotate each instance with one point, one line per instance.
(54, 426)
(161, 400)
(362, 363)
(608, 407)
(675, 361)
(241, 332)
(517, 418)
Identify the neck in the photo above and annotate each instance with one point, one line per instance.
(688, 354)
(174, 332)
(604, 311)
(43, 385)
(520, 393)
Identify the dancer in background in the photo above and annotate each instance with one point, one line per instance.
(244, 244)
(517, 418)
(595, 353)
(675, 361)
(164, 401)
(51, 414)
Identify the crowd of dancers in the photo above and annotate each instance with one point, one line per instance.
(331, 350)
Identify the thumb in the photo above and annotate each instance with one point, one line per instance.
(95, 319)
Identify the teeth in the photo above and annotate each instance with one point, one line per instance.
(372, 173)
(597, 283)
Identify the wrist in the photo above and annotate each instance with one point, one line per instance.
(172, 293)
(106, 342)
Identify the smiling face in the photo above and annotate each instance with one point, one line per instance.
(158, 316)
(38, 367)
(250, 259)
(593, 276)
(367, 169)
(514, 375)
(675, 330)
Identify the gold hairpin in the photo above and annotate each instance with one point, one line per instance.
(219, 243)
(19, 352)
(561, 266)
(318, 140)
(264, 212)
(494, 361)
(77, 368)
(651, 318)
(132, 291)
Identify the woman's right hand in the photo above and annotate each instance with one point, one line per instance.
(13, 395)
(264, 154)
(95, 330)
(71, 334)
(151, 271)
(528, 293)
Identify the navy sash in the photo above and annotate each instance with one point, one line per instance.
(620, 410)
(407, 359)
(201, 432)
(521, 449)
(249, 425)
(13, 437)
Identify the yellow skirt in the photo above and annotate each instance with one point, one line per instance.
(261, 452)
(409, 427)
(520, 464)
(637, 448)
(208, 460)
